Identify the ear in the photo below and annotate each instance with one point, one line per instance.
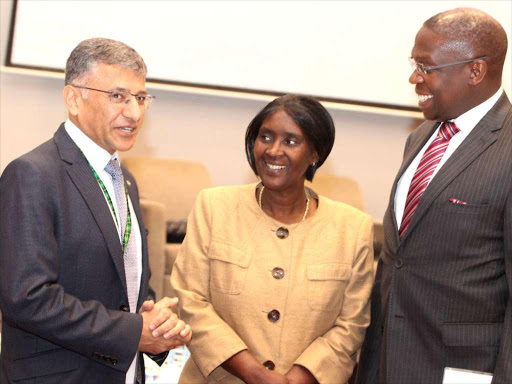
(478, 70)
(314, 158)
(72, 99)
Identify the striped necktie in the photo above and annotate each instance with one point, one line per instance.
(426, 168)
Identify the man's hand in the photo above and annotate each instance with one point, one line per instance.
(159, 320)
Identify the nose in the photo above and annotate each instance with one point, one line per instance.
(416, 78)
(275, 149)
(133, 110)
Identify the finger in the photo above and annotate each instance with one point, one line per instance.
(187, 337)
(168, 302)
(180, 326)
(147, 306)
(162, 315)
(186, 331)
(166, 325)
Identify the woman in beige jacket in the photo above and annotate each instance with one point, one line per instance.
(273, 279)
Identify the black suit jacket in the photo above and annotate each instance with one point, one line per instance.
(62, 289)
(442, 293)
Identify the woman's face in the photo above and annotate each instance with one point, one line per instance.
(282, 153)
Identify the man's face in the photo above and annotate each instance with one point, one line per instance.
(113, 127)
(442, 93)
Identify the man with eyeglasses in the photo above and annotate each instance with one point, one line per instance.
(74, 292)
(441, 303)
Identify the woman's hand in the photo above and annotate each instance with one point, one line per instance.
(300, 375)
(248, 369)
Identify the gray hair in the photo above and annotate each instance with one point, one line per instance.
(89, 53)
(481, 33)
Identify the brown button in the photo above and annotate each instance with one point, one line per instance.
(269, 365)
(282, 233)
(399, 263)
(278, 273)
(273, 315)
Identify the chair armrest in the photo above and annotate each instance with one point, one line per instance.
(154, 220)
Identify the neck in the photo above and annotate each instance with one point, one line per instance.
(285, 206)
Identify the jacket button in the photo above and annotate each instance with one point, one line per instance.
(269, 365)
(399, 263)
(273, 315)
(278, 273)
(124, 308)
(282, 233)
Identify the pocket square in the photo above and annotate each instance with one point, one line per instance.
(457, 201)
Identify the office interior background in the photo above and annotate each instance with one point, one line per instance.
(368, 41)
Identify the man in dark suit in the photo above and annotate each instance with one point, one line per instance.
(441, 298)
(74, 267)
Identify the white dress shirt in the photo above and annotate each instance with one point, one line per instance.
(99, 158)
(465, 122)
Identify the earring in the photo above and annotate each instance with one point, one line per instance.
(313, 165)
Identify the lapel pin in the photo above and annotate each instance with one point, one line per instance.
(129, 183)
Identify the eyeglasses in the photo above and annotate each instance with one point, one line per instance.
(120, 96)
(420, 69)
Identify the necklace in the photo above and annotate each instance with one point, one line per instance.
(307, 202)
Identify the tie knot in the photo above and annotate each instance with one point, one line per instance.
(114, 169)
(448, 130)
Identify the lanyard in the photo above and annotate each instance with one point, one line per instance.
(128, 228)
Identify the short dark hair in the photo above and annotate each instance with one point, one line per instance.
(483, 33)
(310, 116)
(91, 52)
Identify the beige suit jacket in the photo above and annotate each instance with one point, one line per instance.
(223, 278)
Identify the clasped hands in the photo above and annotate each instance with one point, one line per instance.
(161, 328)
(247, 368)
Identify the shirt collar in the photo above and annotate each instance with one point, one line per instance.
(468, 120)
(97, 156)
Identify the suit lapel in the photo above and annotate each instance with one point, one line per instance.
(83, 178)
(478, 141)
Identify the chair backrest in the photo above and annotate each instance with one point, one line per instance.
(174, 183)
(339, 189)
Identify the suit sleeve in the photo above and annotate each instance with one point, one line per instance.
(335, 351)
(503, 371)
(214, 341)
(31, 297)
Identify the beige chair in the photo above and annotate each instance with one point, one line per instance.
(167, 189)
(347, 191)
(339, 189)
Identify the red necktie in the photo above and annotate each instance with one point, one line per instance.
(426, 168)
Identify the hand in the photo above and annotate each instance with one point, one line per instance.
(273, 377)
(165, 320)
(158, 319)
(248, 369)
(300, 375)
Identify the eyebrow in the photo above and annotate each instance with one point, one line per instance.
(294, 135)
(120, 89)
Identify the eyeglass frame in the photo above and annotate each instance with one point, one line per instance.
(425, 70)
(148, 99)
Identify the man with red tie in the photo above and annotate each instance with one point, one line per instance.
(441, 300)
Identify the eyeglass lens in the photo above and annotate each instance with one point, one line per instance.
(125, 97)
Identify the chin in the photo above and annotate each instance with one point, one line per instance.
(123, 147)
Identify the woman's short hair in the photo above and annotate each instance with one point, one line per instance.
(310, 116)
